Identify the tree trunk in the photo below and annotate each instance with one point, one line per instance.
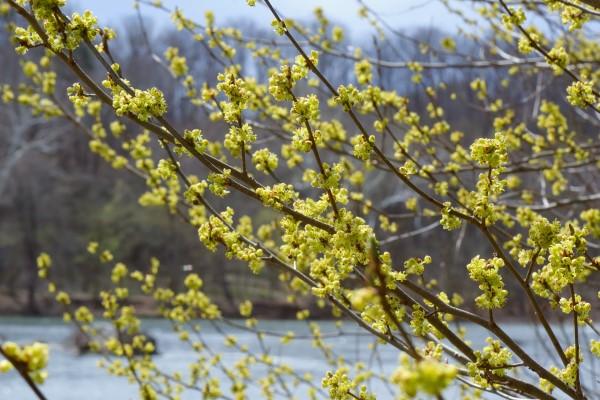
(26, 208)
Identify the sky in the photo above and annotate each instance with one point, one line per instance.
(398, 13)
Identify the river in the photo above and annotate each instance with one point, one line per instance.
(74, 377)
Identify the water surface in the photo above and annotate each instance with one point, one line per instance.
(73, 377)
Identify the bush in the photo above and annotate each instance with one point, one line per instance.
(503, 160)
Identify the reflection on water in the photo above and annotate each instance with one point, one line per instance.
(73, 377)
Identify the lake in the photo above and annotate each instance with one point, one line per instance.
(74, 377)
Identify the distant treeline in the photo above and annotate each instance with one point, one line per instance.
(57, 196)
